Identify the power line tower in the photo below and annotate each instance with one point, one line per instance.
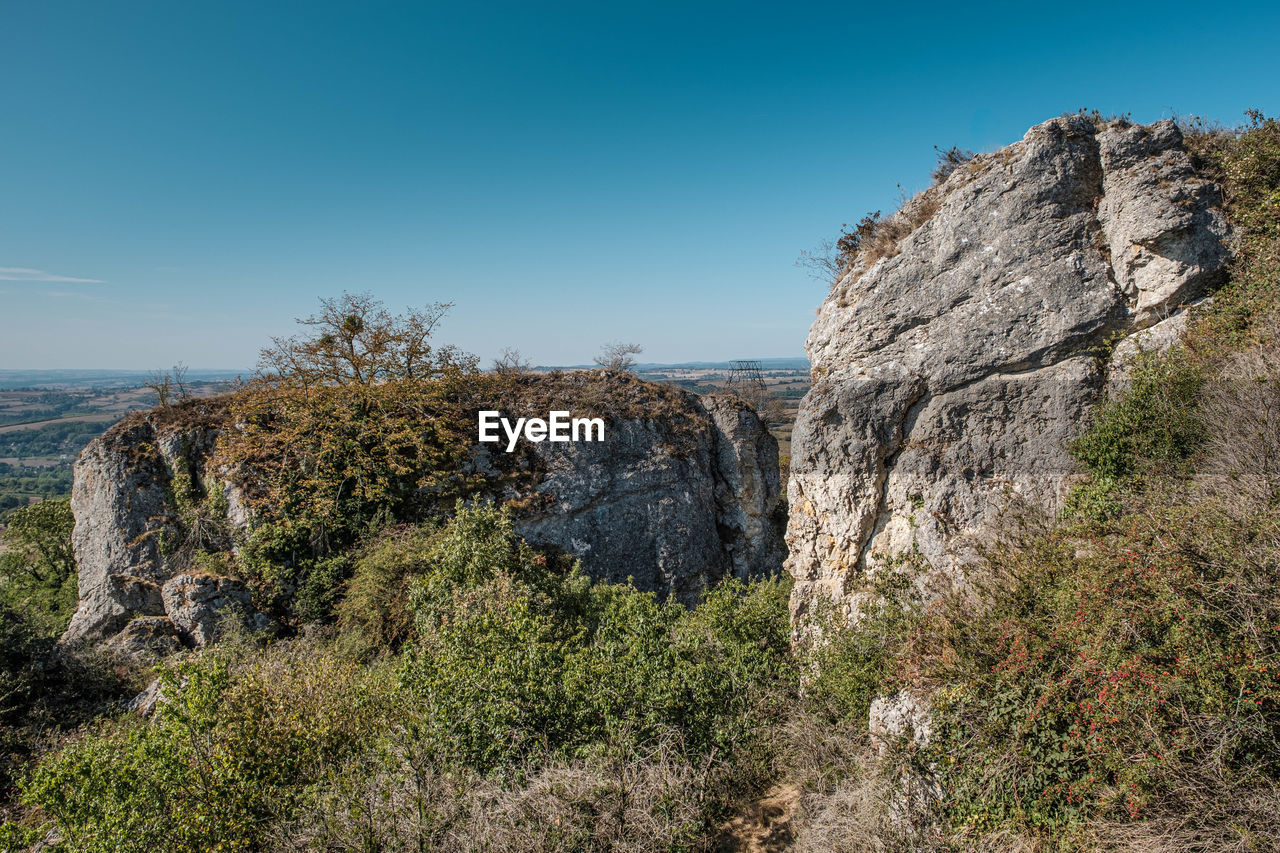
(745, 375)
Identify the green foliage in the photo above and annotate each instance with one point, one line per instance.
(1154, 425)
(856, 660)
(232, 747)
(1113, 665)
(53, 439)
(330, 463)
(374, 611)
(38, 567)
(1246, 162)
(20, 645)
(517, 669)
(513, 643)
(41, 535)
(1154, 421)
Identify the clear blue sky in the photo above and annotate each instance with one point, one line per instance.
(567, 173)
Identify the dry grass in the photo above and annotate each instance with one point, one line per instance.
(1240, 409)
(625, 804)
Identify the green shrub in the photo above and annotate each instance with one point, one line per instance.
(231, 749)
(519, 674)
(1116, 671)
(519, 658)
(38, 567)
(1153, 422)
(1154, 426)
(374, 611)
(856, 660)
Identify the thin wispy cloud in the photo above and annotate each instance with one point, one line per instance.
(26, 274)
(73, 294)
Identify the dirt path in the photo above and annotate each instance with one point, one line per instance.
(765, 826)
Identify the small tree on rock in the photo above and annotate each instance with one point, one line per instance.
(618, 356)
(356, 341)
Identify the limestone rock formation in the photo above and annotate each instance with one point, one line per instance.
(672, 522)
(123, 511)
(674, 501)
(952, 369)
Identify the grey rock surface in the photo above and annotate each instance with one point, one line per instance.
(144, 704)
(951, 372)
(197, 604)
(121, 508)
(148, 638)
(1156, 340)
(903, 715)
(1166, 233)
(671, 522)
(127, 527)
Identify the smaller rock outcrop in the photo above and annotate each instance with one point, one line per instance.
(148, 637)
(683, 491)
(197, 604)
(1167, 237)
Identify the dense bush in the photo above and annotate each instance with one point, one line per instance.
(1117, 670)
(856, 660)
(331, 463)
(38, 568)
(230, 749)
(519, 682)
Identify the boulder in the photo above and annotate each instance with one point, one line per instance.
(197, 605)
(148, 638)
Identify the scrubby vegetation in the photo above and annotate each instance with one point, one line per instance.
(1105, 680)
(521, 693)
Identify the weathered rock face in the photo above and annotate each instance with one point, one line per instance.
(196, 605)
(628, 507)
(123, 507)
(950, 375)
(674, 508)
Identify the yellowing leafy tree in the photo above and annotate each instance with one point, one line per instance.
(357, 341)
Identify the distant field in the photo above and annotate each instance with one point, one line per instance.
(105, 417)
(788, 383)
(43, 430)
(34, 461)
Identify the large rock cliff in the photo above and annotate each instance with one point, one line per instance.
(953, 367)
(675, 501)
